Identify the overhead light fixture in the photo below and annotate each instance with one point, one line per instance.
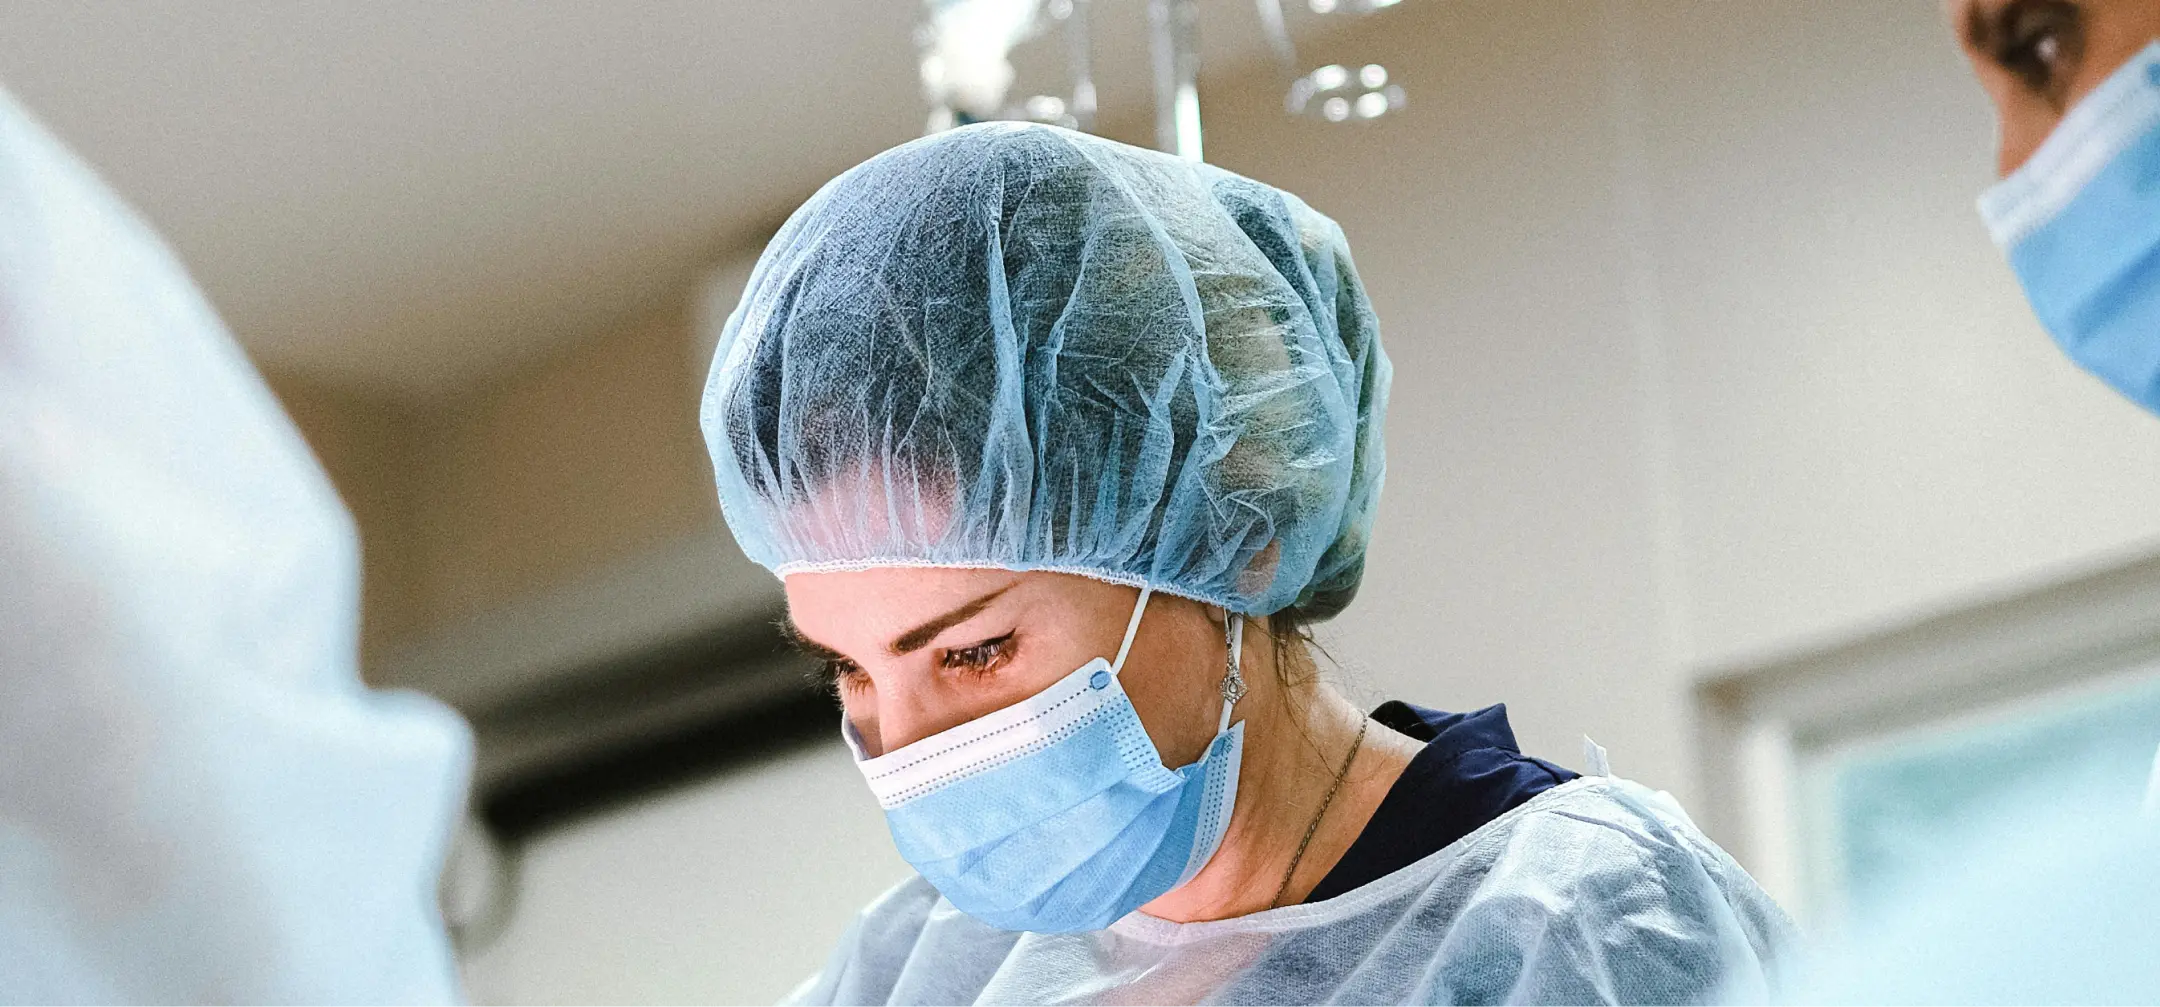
(965, 46)
(1334, 93)
(1338, 94)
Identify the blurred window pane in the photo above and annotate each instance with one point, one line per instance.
(1878, 811)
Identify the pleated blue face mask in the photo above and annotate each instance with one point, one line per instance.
(2080, 223)
(1057, 814)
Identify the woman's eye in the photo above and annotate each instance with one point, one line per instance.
(2037, 41)
(981, 658)
(844, 674)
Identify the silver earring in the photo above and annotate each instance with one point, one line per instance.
(1233, 682)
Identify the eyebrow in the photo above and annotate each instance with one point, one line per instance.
(1980, 25)
(920, 637)
(906, 643)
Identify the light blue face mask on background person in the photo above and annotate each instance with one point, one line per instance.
(1057, 814)
(2080, 222)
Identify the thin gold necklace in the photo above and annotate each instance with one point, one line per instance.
(1314, 825)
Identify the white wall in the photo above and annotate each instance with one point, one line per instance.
(1867, 422)
(1517, 555)
(731, 892)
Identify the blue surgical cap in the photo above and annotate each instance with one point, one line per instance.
(1020, 347)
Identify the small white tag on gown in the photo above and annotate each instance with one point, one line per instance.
(1594, 760)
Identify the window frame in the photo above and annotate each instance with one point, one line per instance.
(1762, 724)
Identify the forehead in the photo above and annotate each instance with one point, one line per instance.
(869, 608)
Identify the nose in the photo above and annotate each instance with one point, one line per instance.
(2018, 136)
(901, 709)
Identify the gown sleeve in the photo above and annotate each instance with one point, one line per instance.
(1579, 909)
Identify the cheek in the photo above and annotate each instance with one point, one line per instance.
(1177, 699)
(898, 705)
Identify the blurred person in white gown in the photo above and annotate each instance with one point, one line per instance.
(199, 800)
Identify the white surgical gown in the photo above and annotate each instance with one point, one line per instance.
(1597, 891)
(198, 799)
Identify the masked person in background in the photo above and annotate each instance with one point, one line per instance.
(2056, 898)
(199, 802)
(2076, 87)
(1059, 446)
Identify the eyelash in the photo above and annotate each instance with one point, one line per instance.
(843, 674)
(980, 659)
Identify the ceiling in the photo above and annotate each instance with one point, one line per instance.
(408, 196)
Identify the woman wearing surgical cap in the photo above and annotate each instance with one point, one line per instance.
(1059, 447)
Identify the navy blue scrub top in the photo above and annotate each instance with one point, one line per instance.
(1469, 773)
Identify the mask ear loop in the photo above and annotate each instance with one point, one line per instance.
(1233, 683)
(1131, 629)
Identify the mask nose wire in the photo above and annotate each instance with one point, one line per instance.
(1131, 628)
